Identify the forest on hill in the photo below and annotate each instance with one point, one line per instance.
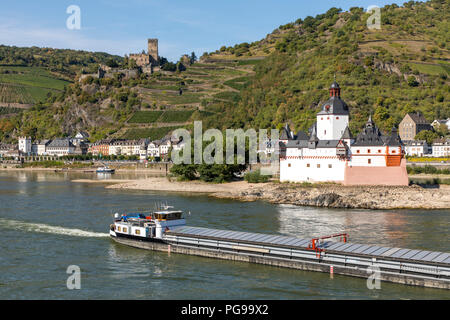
(401, 67)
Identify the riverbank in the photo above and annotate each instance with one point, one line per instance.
(158, 171)
(319, 195)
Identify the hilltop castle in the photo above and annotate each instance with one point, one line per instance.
(331, 154)
(149, 62)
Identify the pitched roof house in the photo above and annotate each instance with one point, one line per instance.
(411, 125)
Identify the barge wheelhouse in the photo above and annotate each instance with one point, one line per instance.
(146, 226)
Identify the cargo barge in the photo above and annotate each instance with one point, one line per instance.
(166, 230)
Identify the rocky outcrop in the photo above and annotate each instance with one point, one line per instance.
(318, 195)
(337, 196)
(392, 68)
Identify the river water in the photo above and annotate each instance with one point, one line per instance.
(48, 222)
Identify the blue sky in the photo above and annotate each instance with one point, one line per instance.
(122, 26)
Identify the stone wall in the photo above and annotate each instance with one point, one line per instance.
(377, 176)
(153, 50)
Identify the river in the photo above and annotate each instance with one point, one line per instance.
(48, 222)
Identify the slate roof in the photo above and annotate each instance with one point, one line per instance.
(369, 136)
(335, 85)
(297, 144)
(442, 141)
(61, 143)
(44, 142)
(347, 134)
(335, 105)
(7, 146)
(418, 118)
(320, 144)
(313, 137)
(327, 143)
(301, 136)
(415, 142)
(394, 139)
(286, 133)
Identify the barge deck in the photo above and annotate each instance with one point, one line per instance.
(404, 266)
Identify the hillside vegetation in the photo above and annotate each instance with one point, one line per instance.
(403, 67)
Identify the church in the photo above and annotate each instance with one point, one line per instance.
(331, 154)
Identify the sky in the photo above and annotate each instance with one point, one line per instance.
(123, 26)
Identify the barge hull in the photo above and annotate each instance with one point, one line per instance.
(297, 263)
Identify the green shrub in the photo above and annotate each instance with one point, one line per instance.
(256, 177)
(427, 170)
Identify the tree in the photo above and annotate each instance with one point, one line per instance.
(184, 171)
(193, 57)
(442, 130)
(169, 66)
(132, 64)
(426, 135)
(180, 67)
(217, 173)
(112, 63)
(412, 82)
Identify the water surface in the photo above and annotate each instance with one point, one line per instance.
(48, 222)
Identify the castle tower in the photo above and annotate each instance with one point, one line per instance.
(153, 50)
(333, 119)
(25, 145)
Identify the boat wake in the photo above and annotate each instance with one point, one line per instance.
(44, 228)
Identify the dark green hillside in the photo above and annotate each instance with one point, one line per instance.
(62, 61)
(29, 75)
(401, 68)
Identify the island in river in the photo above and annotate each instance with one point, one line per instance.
(320, 195)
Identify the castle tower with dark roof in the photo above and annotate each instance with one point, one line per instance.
(333, 117)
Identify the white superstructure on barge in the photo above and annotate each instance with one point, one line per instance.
(148, 226)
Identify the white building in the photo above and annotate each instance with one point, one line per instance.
(39, 148)
(418, 148)
(127, 147)
(153, 149)
(333, 119)
(323, 156)
(165, 146)
(8, 150)
(441, 147)
(436, 123)
(25, 145)
(331, 154)
(60, 147)
(80, 137)
(372, 149)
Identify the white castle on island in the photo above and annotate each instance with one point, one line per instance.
(331, 154)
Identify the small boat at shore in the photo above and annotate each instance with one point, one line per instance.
(105, 170)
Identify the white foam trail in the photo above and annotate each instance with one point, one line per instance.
(44, 228)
